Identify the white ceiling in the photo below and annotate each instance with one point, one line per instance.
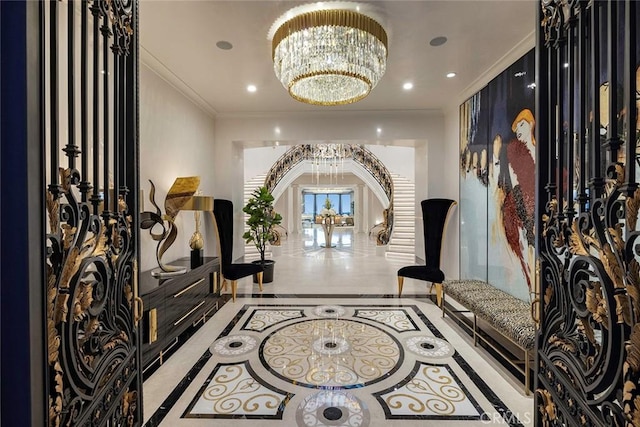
(178, 40)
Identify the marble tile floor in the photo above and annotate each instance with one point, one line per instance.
(328, 343)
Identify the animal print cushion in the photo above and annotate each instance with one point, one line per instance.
(506, 313)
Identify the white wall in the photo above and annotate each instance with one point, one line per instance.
(450, 185)
(258, 160)
(176, 139)
(396, 159)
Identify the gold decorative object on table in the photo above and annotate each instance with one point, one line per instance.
(198, 203)
(179, 197)
(196, 242)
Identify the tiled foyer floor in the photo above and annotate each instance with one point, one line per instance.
(328, 344)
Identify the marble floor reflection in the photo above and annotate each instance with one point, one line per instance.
(328, 344)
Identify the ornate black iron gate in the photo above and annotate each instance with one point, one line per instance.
(588, 200)
(88, 110)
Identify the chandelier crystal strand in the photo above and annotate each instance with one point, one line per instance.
(330, 56)
(327, 160)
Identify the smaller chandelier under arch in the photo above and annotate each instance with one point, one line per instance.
(328, 56)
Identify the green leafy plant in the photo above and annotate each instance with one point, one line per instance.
(262, 219)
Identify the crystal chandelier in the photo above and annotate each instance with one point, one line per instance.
(328, 160)
(328, 55)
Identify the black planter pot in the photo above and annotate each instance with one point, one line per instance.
(267, 275)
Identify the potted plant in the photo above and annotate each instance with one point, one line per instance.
(262, 219)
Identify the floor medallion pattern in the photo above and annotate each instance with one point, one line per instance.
(332, 408)
(331, 353)
(233, 345)
(430, 347)
(331, 311)
(337, 365)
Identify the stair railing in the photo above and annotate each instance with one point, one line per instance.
(364, 157)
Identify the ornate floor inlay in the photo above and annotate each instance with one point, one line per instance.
(264, 319)
(234, 391)
(430, 392)
(396, 319)
(233, 345)
(332, 408)
(336, 365)
(331, 311)
(429, 347)
(331, 353)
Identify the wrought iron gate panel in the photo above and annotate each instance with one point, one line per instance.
(588, 356)
(88, 109)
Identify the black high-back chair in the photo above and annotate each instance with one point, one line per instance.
(223, 212)
(435, 213)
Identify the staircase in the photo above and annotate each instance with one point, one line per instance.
(402, 243)
(250, 251)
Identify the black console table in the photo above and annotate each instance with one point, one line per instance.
(174, 304)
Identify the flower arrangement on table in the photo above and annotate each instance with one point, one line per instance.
(328, 211)
(328, 219)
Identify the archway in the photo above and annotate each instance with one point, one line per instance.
(355, 159)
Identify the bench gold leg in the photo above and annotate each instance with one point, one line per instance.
(527, 377)
(400, 284)
(475, 330)
(224, 284)
(234, 288)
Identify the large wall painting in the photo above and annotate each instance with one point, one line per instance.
(497, 186)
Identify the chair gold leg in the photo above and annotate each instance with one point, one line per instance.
(260, 280)
(400, 284)
(234, 288)
(439, 294)
(224, 284)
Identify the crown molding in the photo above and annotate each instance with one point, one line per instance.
(162, 71)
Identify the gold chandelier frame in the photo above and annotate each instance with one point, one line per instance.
(330, 18)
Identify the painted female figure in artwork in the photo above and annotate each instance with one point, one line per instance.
(518, 208)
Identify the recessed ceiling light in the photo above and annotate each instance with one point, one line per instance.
(438, 41)
(277, 130)
(451, 75)
(379, 130)
(407, 86)
(224, 45)
(251, 88)
(566, 65)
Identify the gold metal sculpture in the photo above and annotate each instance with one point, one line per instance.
(179, 197)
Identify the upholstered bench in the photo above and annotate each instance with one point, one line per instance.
(506, 314)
